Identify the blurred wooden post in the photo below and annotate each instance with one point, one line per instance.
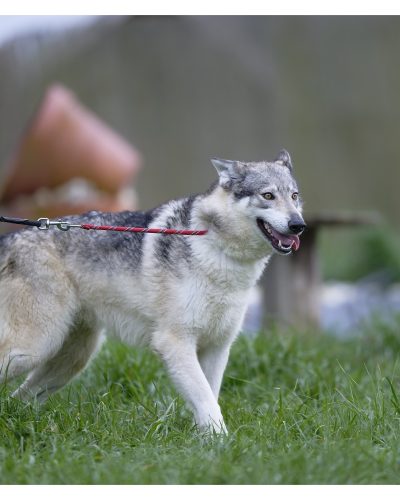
(291, 285)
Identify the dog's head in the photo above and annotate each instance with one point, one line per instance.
(267, 194)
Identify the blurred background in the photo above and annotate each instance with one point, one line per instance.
(146, 101)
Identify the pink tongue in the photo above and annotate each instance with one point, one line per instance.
(288, 239)
(296, 242)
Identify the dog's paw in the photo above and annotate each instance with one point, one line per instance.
(214, 428)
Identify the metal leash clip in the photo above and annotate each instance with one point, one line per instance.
(46, 223)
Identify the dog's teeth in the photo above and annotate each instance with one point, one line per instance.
(267, 228)
(279, 244)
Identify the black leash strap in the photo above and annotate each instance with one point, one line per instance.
(25, 222)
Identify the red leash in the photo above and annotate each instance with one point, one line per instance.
(45, 224)
(186, 232)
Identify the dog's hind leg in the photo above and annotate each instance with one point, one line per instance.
(36, 314)
(24, 349)
(82, 341)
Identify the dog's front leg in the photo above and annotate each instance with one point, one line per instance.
(213, 360)
(180, 356)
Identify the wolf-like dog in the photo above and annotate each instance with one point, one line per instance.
(183, 296)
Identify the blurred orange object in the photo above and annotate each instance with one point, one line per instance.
(67, 141)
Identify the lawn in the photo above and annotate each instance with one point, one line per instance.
(300, 408)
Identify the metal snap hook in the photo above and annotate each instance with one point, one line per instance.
(44, 223)
(63, 226)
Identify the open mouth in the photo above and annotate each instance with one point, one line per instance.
(282, 243)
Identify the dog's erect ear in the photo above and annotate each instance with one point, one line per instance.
(284, 159)
(228, 171)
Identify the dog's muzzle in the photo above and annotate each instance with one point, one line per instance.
(282, 243)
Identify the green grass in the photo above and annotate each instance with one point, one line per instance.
(301, 409)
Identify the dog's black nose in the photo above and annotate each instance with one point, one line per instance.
(296, 226)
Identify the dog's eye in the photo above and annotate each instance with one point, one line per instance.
(295, 196)
(268, 196)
